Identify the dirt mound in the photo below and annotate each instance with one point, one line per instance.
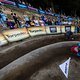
(42, 64)
(11, 53)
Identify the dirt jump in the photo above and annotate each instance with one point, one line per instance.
(39, 59)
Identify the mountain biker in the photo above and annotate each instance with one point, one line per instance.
(76, 49)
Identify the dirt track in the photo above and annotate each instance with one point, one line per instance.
(31, 44)
(25, 66)
(40, 67)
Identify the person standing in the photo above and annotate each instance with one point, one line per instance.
(16, 20)
(68, 34)
(2, 19)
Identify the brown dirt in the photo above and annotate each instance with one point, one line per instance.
(53, 72)
(40, 68)
(29, 45)
(48, 57)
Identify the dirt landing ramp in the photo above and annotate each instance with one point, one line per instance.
(24, 67)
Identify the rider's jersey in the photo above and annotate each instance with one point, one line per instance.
(74, 49)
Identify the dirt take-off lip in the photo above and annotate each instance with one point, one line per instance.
(28, 64)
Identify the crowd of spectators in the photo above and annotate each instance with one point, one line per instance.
(31, 21)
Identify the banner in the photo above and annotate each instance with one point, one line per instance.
(51, 29)
(16, 34)
(58, 29)
(67, 28)
(65, 67)
(41, 12)
(23, 6)
(63, 29)
(73, 28)
(3, 41)
(36, 31)
(31, 8)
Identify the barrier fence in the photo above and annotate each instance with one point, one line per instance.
(23, 33)
(16, 34)
(36, 31)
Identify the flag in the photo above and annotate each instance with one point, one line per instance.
(65, 67)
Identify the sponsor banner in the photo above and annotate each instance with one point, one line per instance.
(7, 2)
(36, 31)
(67, 28)
(41, 12)
(73, 28)
(58, 29)
(23, 6)
(31, 8)
(51, 29)
(3, 41)
(16, 34)
(63, 29)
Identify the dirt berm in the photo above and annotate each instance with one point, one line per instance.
(43, 64)
(13, 51)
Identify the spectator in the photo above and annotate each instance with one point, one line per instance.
(42, 17)
(41, 22)
(16, 20)
(2, 19)
(33, 17)
(46, 22)
(68, 34)
(36, 22)
(4, 16)
(10, 24)
(27, 20)
(49, 22)
(32, 22)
